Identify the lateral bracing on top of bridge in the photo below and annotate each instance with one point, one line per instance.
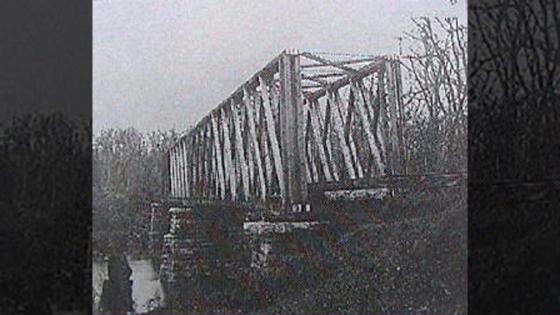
(305, 118)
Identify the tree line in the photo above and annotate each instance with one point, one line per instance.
(129, 171)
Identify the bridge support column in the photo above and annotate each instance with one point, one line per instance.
(155, 235)
(292, 130)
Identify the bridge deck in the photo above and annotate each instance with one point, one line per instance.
(318, 191)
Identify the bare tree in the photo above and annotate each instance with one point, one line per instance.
(437, 97)
(514, 80)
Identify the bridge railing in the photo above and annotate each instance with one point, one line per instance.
(304, 118)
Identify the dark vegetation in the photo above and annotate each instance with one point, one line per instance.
(406, 255)
(513, 151)
(409, 259)
(44, 166)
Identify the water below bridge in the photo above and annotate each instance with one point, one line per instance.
(147, 292)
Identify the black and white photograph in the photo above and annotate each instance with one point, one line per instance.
(279, 157)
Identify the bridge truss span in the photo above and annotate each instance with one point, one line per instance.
(303, 120)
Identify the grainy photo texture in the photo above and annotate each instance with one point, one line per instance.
(279, 157)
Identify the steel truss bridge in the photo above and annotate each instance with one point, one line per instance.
(305, 124)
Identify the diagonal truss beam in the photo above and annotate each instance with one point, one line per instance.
(339, 63)
(359, 74)
(330, 63)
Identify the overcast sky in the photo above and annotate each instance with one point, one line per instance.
(160, 64)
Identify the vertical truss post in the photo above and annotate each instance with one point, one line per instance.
(395, 116)
(292, 129)
(400, 109)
